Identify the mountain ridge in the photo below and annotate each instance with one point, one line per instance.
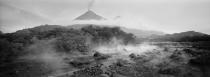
(187, 36)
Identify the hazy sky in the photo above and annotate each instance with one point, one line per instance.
(164, 15)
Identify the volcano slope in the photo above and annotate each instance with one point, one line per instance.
(95, 51)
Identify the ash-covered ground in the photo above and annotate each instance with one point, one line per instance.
(94, 51)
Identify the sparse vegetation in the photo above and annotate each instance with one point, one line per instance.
(75, 49)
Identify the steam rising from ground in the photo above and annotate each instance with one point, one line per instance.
(116, 46)
(154, 54)
(117, 50)
(44, 53)
(125, 49)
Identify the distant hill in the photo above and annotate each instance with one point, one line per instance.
(189, 36)
(143, 33)
(90, 15)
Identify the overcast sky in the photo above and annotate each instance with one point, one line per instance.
(164, 15)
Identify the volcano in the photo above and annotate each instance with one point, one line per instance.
(90, 15)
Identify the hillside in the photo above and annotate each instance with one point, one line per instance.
(189, 36)
(44, 43)
(143, 33)
(98, 51)
(137, 32)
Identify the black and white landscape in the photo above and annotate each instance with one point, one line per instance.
(104, 38)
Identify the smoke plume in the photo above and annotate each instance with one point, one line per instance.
(90, 5)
